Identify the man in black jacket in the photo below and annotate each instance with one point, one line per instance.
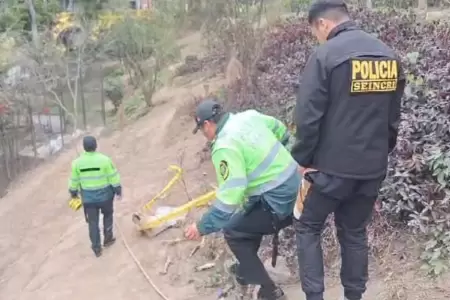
(347, 117)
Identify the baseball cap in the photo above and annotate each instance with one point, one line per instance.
(89, 143)
(206, 110)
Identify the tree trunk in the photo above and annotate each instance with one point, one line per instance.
(70, 6)
(34, 29)
(423, 5)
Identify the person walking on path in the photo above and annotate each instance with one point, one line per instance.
(95, 178)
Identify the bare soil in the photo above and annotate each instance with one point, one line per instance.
(44, 246)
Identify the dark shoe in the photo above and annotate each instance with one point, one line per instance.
(97, 252)
(109, 242)
(241, 287)
(271, 294)
(234, 270)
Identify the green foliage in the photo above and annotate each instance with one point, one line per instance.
(114, 88)
(91, 8)
(176, 9)
(440, 166)
(14, 14)
(437, 248)
(297, 5)
(144, 45)
(7, 44)
(437, 251)
(134, 109)
(12, 17)
(45, 13)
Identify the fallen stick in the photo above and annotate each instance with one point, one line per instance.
(196, 248)
(166, 266)
(173, 242)
(219, 256)
(206, 266)
(163, 230)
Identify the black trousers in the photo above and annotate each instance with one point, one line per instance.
(244, 239)
(92, 214)
(352, 202)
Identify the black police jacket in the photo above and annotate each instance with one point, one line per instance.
(348, 105)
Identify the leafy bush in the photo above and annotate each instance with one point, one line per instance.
(114, 88)
(14, 14)
(144, 46)
(417, 187)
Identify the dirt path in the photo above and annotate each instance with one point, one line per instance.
(44, 246)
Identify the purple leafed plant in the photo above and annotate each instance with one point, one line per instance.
(416, 189)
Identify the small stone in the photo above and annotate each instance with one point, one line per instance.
(281, 273)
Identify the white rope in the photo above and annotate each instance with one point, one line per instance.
(141, 268)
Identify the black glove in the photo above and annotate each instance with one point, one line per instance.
(73, 194)
(118, 191)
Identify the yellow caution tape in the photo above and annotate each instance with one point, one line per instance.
(178, 173)
(202, 200)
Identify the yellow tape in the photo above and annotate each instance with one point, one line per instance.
(202, 200)
(177, 177)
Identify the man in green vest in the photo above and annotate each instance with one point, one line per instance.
(258, 185)
(96, 179)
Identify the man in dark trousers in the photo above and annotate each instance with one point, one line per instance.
(258, 184)
(95, 177)
(347, 117)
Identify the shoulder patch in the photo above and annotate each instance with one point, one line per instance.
(223, 169)
(373, 75)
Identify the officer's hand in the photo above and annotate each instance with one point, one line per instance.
(119, 198)
(303, 170)
(191, 232)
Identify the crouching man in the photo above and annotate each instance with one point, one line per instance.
(95, 177)
(258, 184)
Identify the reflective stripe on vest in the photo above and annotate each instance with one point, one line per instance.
(241, 182)
(259, 170)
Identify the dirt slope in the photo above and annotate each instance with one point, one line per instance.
(44, 246)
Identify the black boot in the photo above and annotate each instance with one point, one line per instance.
(241, 286)
(271, 293)
(109, 242)
(97, 252)
(234, 270)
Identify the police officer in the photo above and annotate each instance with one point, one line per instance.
(250, 162)
(95, 177)
(347, 117)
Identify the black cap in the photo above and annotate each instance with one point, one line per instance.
(206, 110)
(321, 6)
(89, 143)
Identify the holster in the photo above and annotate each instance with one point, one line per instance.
(275, 237)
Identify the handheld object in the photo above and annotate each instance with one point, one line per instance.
(75, 203)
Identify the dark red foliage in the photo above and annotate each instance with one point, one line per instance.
(425, 50)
